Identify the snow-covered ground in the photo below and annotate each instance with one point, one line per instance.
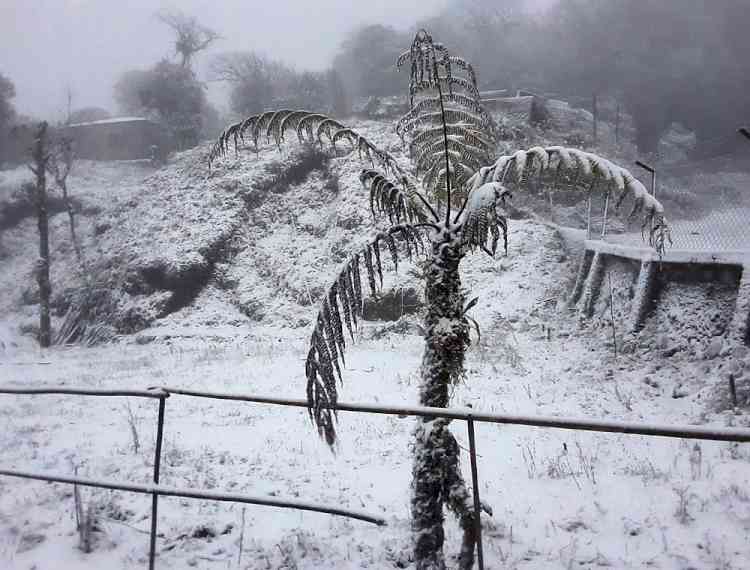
(561, 499)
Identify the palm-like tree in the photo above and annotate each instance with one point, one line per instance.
(450, 207)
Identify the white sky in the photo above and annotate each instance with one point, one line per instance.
(47, 46)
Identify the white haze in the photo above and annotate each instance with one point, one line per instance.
(50, 46)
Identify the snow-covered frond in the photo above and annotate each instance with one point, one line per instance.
(457, 133)
(274, 125)
(398, 203)
(431, 104)
(426, 155)
(465, 66)
(328, 127)
(454, 117)
(342, 307)
(586, 170)
(481, 223)
(309, 127)
(448, 85)
(290, 122)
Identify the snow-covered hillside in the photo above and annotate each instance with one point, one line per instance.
(257, 239)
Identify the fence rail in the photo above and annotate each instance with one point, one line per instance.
(468, 415)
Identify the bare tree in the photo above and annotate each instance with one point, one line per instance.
(59, 166)
(192, 36)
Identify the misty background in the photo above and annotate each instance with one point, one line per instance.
(660, 63)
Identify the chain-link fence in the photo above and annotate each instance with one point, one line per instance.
(700, 220)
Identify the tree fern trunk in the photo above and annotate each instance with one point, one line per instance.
(436, 476)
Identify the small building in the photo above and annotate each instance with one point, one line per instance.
(119, 138)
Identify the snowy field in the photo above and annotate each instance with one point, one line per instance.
(561, 499)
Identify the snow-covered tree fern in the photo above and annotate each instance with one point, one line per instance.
(450, 138)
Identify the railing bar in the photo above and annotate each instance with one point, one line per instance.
(155, 496)
(155, 393)
(682, 432)
(689, 432)
(475, 491)
(204, 495)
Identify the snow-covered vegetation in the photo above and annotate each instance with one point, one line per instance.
(364, 263)
(560, 499)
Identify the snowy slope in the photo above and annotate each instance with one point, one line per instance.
(560, 499)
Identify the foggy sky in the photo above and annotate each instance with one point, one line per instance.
(48, 46)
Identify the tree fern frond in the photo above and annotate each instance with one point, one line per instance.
(327, 344)
(587, 169)
(457, 133)
(449, 85)
(465, 66)
(309, 128)
(454, 117)
(387, 198)
(291, 121)
(480, 219)
(461, 152)
(432, 104)
(274, 125)
(324, 127)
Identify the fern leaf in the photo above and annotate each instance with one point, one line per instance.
(584, 169)
(480, 220)
(327, 344)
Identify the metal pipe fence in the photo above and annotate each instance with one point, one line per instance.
(468, 415)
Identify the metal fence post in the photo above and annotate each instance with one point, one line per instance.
(157, 467)
(475, 486)
(606, 212)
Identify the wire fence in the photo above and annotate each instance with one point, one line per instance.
(467, 415)
(698, 220)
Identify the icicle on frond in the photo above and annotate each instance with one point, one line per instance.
(341, 308)
(310, 128)
(588, 170)
(480, 221)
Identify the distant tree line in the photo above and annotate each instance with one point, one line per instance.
(664, 62)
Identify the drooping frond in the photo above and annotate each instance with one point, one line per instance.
(340, 309)
(397, 202)
(587, 170)
(309, 128)
(481, 222)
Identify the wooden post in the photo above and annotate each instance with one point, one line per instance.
(40, 159)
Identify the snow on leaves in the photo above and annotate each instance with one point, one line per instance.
(451, 132)
(587, 170)
(481, 222)
(310, 128)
